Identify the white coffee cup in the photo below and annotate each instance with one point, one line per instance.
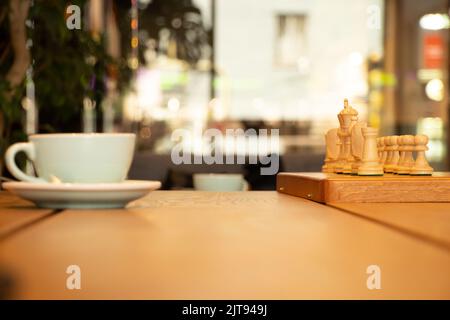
(219, 182)
(75, 157)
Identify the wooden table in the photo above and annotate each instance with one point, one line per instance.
(237, 245)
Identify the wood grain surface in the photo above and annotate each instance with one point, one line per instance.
(238, 245)
(429, 221)
(16, 213)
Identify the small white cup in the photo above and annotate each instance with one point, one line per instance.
(75, 157)
(220, 182)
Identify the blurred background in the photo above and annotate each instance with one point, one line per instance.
(152, 66)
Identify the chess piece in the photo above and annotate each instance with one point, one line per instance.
(347, 117)
(393, 162)
(421, 166)
(371, 165)
(380, 144)
(357, 145)
(339, 162)
(385, 157)
(384, 151)
(332, 150)
(389, 154)
(379, 147)
(408, 147)
(401, 152)
(348, 166)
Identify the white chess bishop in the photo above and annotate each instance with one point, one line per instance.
(351, 148)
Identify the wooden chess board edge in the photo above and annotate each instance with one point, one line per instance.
(311, 188)
(334, 189)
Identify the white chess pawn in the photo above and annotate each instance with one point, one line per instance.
(370, 165)
(401, 153)
(383, 158)
(388, 157)
(392, 167)
(421, 166)
(408, 161)
(380, 144)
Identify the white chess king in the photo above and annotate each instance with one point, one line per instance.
(347, 149)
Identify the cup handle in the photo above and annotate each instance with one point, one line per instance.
(10, 158)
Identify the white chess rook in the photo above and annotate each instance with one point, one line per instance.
(371, 165)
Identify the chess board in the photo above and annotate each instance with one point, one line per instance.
(333, 188)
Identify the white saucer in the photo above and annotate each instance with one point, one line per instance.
(82, 195)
